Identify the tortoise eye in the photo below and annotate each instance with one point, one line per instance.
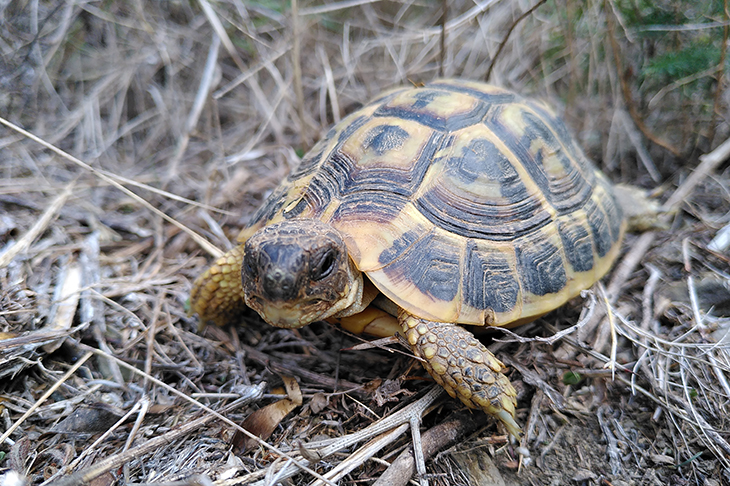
(325, 265)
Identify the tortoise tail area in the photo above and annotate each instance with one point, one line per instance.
(217, 294)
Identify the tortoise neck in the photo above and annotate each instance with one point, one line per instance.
(360, 296)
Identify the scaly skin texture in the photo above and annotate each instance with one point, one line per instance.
(463, 366)
(217, 295)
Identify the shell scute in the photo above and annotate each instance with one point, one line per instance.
(479, 192)
(399, 246)
(540, 265)
(577, 243)
(489, 280)
(385, 138)
(371, 223)
(599, 228)
(445, 111)
(392, 159)
(557, 170)
(429, 263)
(611, 209)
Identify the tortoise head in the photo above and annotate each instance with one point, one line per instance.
(298, 271)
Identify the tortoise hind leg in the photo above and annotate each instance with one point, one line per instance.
(217, 294)
(463, 366)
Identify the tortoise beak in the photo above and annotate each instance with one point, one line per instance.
(290, 316)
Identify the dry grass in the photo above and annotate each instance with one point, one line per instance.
(161, 127)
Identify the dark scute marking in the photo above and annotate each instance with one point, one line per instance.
(571, 190)
(541, 268)
(483, 157)
(599, 228)
(324, 185)
(400, 245)
(271, 206)
(373, 206)
(490, 98)
(419, 113)
(613, 212)
(489, 282)
(454, 123)
(577, 245)
(296, 210)
(424, 97)
(410, 114)
(558, 125)
(384, 138)
(448, 206)
(390, 179)
(311, 160)
(307, 165)
(432, 264)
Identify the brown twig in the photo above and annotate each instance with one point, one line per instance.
(434, 440)
(444, 15)
(506, 37)
(626, 90)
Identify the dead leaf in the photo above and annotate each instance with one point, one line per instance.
(318, 403)
(106, 479)
(68, 300)
(263, 421)
(88, 420)
(662, 459)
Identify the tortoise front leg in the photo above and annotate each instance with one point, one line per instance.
(463, 366)
(217, 294)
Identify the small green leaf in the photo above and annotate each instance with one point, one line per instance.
(572, 378)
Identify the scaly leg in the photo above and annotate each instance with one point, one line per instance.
(217, 294)
(463, 366)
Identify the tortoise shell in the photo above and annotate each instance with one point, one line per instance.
(462, 202)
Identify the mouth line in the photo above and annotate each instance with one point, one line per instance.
(289, 317)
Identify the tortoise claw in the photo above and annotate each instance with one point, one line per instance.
(509, 423)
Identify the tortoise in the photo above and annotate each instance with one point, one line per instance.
(454, 203)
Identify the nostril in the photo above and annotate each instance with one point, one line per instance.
(278, 286)
(270, 284)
